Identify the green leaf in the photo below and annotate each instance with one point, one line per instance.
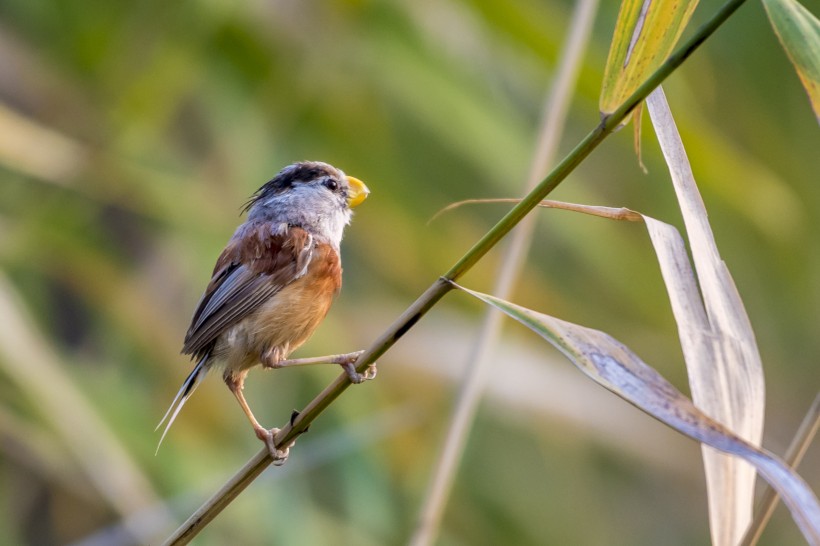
(614, 366)
(799, 33)
(645, 34)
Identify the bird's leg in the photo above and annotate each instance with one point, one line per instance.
(236, 382)
(347, 361)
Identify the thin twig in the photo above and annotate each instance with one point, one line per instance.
(479, 360)
(613, 213)
(191, 527)
(797, 449)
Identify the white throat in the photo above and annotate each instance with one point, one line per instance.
(318, 212)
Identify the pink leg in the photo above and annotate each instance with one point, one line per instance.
(272, 359)
(236, 383)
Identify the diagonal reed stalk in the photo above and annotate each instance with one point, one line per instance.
(479, 360)
(213, 506)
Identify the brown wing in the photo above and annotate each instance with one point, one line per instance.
(260, 259)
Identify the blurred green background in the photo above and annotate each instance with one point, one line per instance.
(131, 133)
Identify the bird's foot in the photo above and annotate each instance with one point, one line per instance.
(349, 366)
(280, 456)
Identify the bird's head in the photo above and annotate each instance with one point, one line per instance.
(310, 194)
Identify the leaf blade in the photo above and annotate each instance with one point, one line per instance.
(799, 33)
(722, 359)
(645, 33)
(615, 367)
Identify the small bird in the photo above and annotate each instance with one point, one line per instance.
(273, 284)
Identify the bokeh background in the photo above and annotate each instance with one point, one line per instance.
(131, 133)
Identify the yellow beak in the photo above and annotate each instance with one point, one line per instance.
(358, 192)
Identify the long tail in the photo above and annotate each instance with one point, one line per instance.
(188, 387)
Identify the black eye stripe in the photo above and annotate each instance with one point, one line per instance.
(304, 172)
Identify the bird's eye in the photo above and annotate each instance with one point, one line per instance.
(331, 184)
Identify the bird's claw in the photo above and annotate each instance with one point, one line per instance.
(348, 363)
(356, 377)
(370, 372)
(280, 456)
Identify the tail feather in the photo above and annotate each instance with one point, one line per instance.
(188, 387)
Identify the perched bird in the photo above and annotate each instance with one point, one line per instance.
(273, 284)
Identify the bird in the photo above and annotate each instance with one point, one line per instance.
(273, 284)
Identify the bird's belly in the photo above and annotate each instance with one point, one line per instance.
(281, 324)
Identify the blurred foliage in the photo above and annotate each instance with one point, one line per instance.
(132, 132)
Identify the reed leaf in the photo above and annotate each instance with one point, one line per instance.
(645, 33)
(722, 359)
(615, 367)
(799, 34)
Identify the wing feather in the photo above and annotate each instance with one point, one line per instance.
(260, 260)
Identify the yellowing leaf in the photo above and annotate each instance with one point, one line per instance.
(645, 34)
(799, 34)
